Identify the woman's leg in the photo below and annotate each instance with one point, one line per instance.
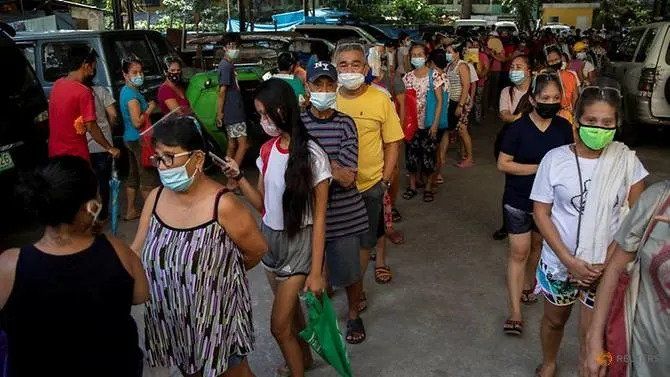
(551, 334)
(533, 260)
(132, 181)
(519, 248)
(241, 370)
(282, 323)
(467, 142)
(585, 318)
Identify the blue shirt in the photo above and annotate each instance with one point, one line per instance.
(130, 133)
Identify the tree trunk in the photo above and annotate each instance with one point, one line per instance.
(242, 7)
(466, 8)
(305, 7)
(117, 14)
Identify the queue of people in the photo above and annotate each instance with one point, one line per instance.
(326, 187)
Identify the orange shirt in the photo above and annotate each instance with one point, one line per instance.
(570, 84)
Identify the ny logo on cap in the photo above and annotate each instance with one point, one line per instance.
(321, 65)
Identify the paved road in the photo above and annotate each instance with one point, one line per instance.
(442, 315)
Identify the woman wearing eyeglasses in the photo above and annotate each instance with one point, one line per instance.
(196, 241)
(579, 193)
(523, 146)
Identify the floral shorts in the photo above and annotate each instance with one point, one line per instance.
(563, 293)
(236, 130)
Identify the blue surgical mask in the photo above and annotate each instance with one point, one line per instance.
(176, 179)
(450, 58)
(324, 100)
(517, 77)
(137, 80)
(418, 62)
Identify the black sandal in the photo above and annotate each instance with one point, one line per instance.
(355, 331)
(428, 196)
(410, 193)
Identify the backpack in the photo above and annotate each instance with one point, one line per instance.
(431, 104)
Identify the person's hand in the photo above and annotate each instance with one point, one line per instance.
(219, 120)
(595, 364)
(231, 170)
(459, 111)
(115, 152)
(582, 272)
(665, 219)
(433, 132)
(152, 106)
(345, 176)
(315, 283)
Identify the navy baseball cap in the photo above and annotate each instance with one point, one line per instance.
(321, 69)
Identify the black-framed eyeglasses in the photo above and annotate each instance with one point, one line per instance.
(167, 159)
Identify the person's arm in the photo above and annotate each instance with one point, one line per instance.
(171, 104)
(581, 271)
(112, 115)
(507, 165)
(220, 101)
(145, 219)
(438, 112)
(99, 137)
(315, 281)
(132, 263)
(241, 226)
(390, 159)
(507, 117)
(482, 69)
(595, 336)
(253, 194)
(464, 73)
(137, 117)
(8, 261)
(345, 166)
(400, 97)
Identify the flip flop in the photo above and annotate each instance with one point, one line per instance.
(513, 328)
(383, 275)
(355, 327)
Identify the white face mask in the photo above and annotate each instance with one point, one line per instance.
(351, 81)
(269, 127)
(233, 53)
(581, 55)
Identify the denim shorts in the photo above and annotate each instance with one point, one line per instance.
(518, 221)
(343, 261)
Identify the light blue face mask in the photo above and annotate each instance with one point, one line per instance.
(418, 62)
(176, 179)
(517, 77)
(137, 80)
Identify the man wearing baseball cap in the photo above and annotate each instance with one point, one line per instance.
(346, 216)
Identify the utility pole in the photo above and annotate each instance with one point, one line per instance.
(466, 8)
(241, 6)
(130, 11)
(305, 7)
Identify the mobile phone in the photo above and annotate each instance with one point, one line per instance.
(218, 160)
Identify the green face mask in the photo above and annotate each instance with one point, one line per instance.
(596, 138)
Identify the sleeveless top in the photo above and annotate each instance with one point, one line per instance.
(199, 312)
(455, 88)
(69, 315)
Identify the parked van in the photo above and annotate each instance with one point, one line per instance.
(335, 33)
(508, 26)
(467, 25)
(48, 52)
(641, 64)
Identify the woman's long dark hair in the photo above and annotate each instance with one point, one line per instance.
(282, 108)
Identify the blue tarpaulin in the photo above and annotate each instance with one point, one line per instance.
(286, 21)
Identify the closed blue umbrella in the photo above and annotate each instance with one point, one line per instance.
(114, 186)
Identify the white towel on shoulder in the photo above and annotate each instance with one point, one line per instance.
(613, 170)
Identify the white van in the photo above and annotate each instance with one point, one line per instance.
(508, 26)
(641, 64)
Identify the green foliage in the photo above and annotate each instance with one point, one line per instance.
(410, 11)
(525, 11)
(614, 13)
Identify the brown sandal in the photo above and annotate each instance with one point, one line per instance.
(383, 275)
(513, 328)
(363, 303)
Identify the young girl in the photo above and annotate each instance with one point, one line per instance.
(292, 195)
(523, 145)
(579, 192)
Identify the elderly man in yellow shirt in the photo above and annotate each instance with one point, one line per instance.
(379, 137)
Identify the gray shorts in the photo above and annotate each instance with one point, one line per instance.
(374, 204)
(343, 261)
(236, 130)
(288, 257)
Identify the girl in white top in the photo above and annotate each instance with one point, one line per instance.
(292, 195)
(564, 191)
(458, 72)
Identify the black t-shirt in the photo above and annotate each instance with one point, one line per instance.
(528, 145)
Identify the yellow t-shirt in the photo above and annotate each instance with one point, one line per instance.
(377, 123)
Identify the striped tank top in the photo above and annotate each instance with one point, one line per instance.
(455, 88)
(199, 312)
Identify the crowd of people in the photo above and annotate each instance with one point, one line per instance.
(327, 184)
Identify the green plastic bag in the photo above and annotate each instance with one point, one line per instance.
(323, 334)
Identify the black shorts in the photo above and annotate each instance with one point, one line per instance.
(518, 221)
(453, 119)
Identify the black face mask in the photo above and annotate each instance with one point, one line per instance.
(557, 66)
(174, 77)
(547, 110)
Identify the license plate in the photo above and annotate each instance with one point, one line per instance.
(6, 162)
